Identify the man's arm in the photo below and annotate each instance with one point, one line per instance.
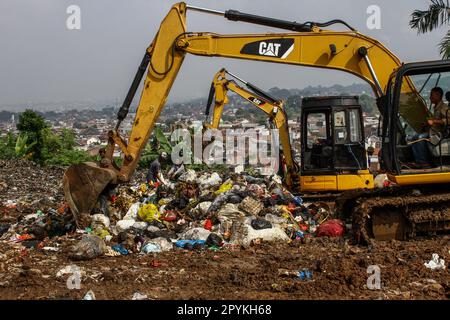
(160, 178)
(444, 117)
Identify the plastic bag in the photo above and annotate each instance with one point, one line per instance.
(208, 182)
(230, 210)
(119, 248)
(243, 234)
(163, 243)
(100, 219)
(224, 187)
(196, 234)
(140, 225)
(150, 247)
(331, 228)
(259, 224)
(123, 225)
(203, 207)
(188, 176)
(188, 244)
(157, 245)
(275, 219)
(435, 263)
(214, 240)
(89, 247)
(149, 212)
(89, 295)
(257, 190)
(132, 213)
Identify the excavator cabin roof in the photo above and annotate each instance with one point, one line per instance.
(328, 101)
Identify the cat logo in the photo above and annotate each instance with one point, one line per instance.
(256, 101)
(279, 48)
(269, 49)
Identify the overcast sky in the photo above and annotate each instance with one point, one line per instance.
(41, 60)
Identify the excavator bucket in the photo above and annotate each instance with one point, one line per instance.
(83, 183)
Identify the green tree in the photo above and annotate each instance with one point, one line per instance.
(155, 147)
(368, 104)
(7, 146)
(22, 148)
(68, 138)
(437, 15)
(34, 126)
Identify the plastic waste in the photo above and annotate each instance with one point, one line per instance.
(331, 228)
(214, 240)
(298, 201)
(435, 263)
(89, 295)
(196, 234)
(225, 228)
(208, 224)
(140, 225)
(243, 234)
(89, 247)
(219, 204)
(253, 180)
(275, 219)
(132, 213)
(157, 245)
(256, 190)
(208, 182)
(150, 247)
(153, 229)
(303, 274)
(277, 179)
(149, 212)
(224, 187)
(139, 296)
(124, 225)
(119, 248)
(100, 219)
(169, 216)
(379, 180)
(4, 227)
(188, 176)
(70, 269)
(203, 207)
(260, 223)
(102, 233)
(190, 244)
(111, 253)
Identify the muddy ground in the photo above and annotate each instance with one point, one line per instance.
(339, 269)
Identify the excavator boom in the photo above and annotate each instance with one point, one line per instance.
(271, 106)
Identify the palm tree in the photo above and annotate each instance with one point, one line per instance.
(437, 15)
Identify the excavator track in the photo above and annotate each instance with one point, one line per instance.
(396, 213)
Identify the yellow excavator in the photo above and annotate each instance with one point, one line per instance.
(420, 200)
(319, 174)
(272, 107)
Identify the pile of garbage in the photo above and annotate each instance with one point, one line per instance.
(198, 211)
(23, 188)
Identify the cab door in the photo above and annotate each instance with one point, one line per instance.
(348, 139)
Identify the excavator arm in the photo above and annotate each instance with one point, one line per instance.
(307, 45)
(271, 106)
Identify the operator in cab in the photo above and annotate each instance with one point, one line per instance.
(436, 125)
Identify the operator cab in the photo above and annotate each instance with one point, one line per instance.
(332, 136)
(407, 135)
